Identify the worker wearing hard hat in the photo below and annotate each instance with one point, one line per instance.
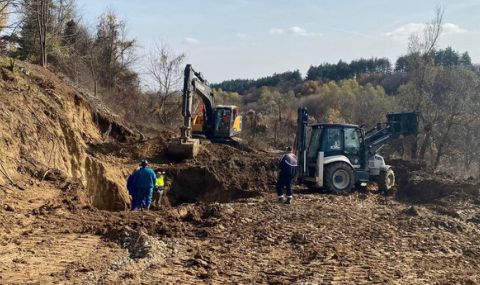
(142, 183)
(159, 188)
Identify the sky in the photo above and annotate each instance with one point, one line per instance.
(229, 39)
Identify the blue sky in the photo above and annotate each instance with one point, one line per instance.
(227, 39)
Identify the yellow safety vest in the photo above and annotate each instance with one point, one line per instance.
(160, 181)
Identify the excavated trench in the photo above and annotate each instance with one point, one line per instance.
(105, 188)
(196, 184)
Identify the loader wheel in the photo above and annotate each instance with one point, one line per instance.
(339, 178)
(386, 180)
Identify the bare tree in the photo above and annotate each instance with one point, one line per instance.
(43, 16)
(8, 8)
(422, 73)
(165, 69)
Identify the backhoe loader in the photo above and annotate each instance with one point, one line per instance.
(339, 157)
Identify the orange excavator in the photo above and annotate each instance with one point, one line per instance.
(218, 123)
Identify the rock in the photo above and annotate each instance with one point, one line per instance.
(412, 211)
(9, 208)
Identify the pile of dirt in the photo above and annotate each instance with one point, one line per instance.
(222, 173)
(138, 242)
(418, 184)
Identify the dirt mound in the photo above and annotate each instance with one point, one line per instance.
(222, 173)
(417, 184)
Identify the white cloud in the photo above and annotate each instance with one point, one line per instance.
(190, 41)
(276, 32)
(301, 32)
(403, 32)
(449, 28)
(294, 31)
(241, 35)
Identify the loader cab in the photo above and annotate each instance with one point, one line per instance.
(227, 121)
(336, 140)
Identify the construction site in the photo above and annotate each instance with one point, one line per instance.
(65, 219)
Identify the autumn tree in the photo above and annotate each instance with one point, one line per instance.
(417, 93)
(274, 105)
(165, 68)
(114, 51)
(455, 93)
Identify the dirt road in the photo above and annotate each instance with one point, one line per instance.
(364, 238)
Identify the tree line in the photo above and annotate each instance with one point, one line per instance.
(275, 80)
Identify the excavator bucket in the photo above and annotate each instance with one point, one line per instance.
(181, 149)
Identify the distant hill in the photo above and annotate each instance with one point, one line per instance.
(377, 71)
(243, 85)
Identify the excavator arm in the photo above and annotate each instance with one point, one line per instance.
(195, 84)
(220, 123)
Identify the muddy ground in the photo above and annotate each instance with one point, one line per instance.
(64, 215)
(48, 236)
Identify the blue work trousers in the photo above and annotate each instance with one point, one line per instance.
(284, 181)
(142, 198)
(146, 195)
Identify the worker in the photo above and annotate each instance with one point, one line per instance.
(136, 202)
(143, 182)
(159, 188)
(288, 170)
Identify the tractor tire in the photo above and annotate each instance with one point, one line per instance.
(339, 178)
(386, 180)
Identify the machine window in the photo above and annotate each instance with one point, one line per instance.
(222, 121)
(334, 139)
(314, 146)
(352, 141)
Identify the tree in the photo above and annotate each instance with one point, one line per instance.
(112, 54)
(42, 25)
(166, 70)
(455, 93)
(417, 94)
(274, 104)
(285, 81)
(343, 70)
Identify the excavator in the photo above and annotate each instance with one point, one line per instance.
(338, 157)
(218, 123)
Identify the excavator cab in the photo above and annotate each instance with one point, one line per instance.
(228, 122)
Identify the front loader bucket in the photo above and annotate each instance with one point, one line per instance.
(404, 123)
(183, 149)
